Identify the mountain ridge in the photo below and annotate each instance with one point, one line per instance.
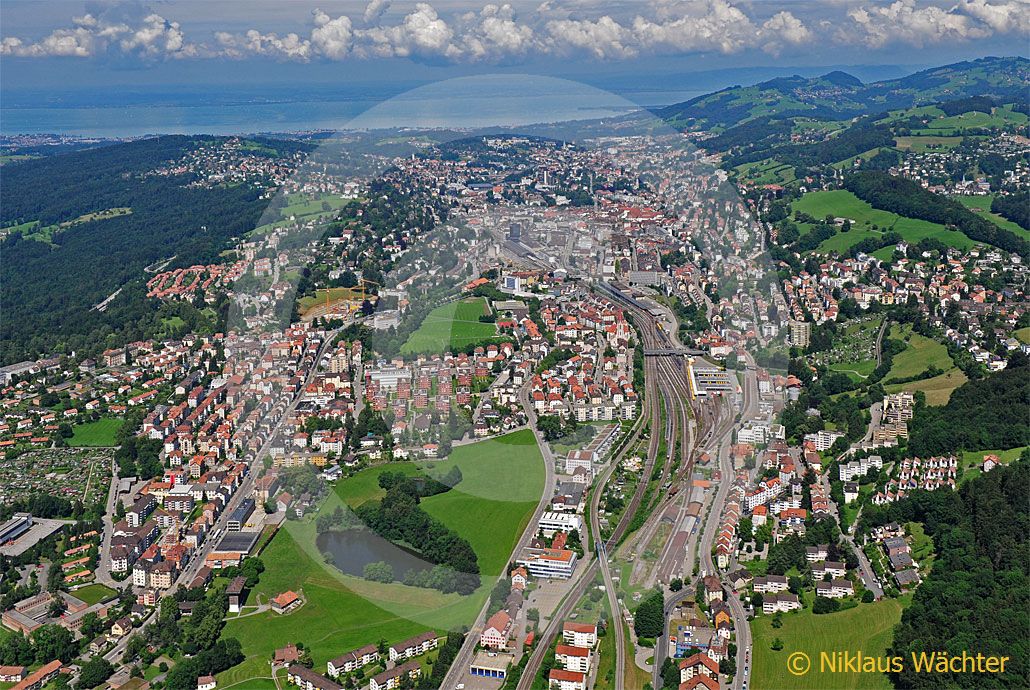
(838, 95)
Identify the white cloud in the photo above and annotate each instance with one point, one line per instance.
(604, 39)
(333, 38)
(153, 38)
(493, 33)
(375, 10)
(253, 42)
(422, 33)
(1002, 17)
(696, 26)
(783, 28)
(905, 22)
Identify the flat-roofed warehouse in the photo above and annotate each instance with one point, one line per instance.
(490, 665)
(237, 542)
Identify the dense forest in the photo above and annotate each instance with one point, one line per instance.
(48, 291)
(910, 199)
(858, 138)
(1015, 207)
(977, 596)
(988, 413)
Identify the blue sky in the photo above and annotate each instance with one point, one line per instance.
(65, 44)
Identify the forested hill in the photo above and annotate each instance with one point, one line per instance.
(988, 413)
(86, 224)
(977, 595)
(838, 95)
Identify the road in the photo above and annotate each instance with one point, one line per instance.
(245, 489)
(461, 661)
(103, 572)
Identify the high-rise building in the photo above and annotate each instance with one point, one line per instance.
(800, 333)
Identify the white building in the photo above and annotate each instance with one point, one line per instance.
(551, 522)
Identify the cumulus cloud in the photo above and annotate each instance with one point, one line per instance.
(782, 29)
(712, 25)
(906, 22)
(153, 37)
(1002, 17)
(603, 38)
(375, 10)
(333, 38)
(290, 46)
(493, 33)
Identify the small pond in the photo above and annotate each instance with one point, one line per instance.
(353, 549)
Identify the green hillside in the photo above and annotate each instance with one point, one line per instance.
(836, 96)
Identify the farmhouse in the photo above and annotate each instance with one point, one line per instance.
(285, 602)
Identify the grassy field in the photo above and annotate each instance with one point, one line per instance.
(841, 203)
(1022, 335)
(96, 592)
(923, 144)
(937, 389)
(99, 433)
(33, 231)
(450, 326)
(922, 547)
(768, 171)
(867, 627)
(502, 480)
(921, 353)
(300, 205)
(971, 460)
(956, 124)
(981, 206)
(857, 371)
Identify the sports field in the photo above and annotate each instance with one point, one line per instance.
(841, 203)
(451, 326)
(95, 434)
(867, 627)
(502, 480)
(94, 593)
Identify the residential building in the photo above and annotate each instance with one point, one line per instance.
(579, 634)
(420, 644)
(387, 680)
(306, 679)
(353, 660)
(573, 658)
